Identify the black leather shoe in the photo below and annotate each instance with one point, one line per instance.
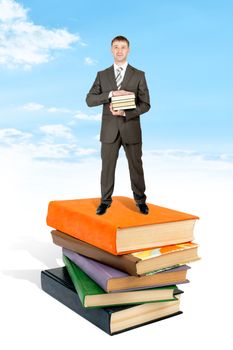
(102, 208)
(143, 208)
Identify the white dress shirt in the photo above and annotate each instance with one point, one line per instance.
(123, 66)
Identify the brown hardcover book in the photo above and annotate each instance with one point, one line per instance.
(125, 263)
(136, 263)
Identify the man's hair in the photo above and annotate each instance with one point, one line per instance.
(120, 38)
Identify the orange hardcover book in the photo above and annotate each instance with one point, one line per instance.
(122, 229)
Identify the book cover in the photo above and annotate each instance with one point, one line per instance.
(92, 295)
(98, 272)
(125, 262)
(103, 275)
(128, 263)
(57, 283)
(78, 218)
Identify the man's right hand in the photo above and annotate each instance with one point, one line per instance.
(121, 92)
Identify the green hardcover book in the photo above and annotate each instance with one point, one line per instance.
(92, 295)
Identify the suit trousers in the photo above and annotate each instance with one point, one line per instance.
(109, 156)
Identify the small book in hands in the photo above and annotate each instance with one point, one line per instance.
(123, 102)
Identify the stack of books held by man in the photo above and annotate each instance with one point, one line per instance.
(123, 102)
(121, 269)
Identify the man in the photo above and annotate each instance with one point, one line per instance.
(120, 127)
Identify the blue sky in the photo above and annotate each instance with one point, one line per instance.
(51, 50)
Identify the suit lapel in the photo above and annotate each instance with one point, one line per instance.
(111, 76)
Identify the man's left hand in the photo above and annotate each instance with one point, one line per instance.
(118, 113)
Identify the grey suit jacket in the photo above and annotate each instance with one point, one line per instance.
(128, 126)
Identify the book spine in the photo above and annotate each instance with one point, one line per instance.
(123, 97)
(123, 105)
(68, 297)
(78, 287)
(126, 263)
(123, 101)
(123, 108)
(90, 267)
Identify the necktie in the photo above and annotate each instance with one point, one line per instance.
(119, 77)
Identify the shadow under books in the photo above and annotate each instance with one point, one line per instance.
(39, 250)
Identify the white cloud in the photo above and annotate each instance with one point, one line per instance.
(227, 157)
(23, 43)
(85, 151)
(90, 61)
(57, 130)
(59, 110)
(72, 123)
(175, 153)
(43, 150)
(84, 116)
(57, 143)
(11, 135)
(189, 156)
(32, 106)
(66, 151)
(10, 10)
(82, 43)
(51, 150)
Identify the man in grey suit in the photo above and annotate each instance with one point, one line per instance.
(120, 127)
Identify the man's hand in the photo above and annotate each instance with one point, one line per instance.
(121, 92)
(118, 113)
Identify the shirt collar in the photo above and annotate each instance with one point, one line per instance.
(124, 66)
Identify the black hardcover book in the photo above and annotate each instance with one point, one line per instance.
(57, 283)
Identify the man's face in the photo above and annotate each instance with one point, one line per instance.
(120, 51)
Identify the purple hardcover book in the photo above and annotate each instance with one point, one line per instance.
(101, 273)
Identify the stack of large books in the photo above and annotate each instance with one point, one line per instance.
(123, 102)
(121, 270)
